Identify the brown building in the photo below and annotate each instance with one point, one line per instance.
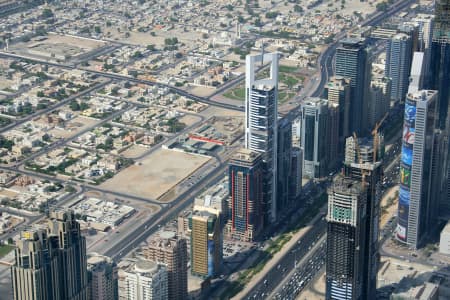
(102, 277)
(171, 250)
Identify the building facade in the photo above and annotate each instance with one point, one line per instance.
(261, 115)
(72, 254)
(295, 178)
(169, 249)
(379, 99)
(352, 63)
(284, 153)
(438, 80)
(206, 243)
(246, 180)
(346, 239)
(415, 204)
(143, 280)
(425, 22)
(334, 151)
(338, 91)
(370, 174)
(102, 277)
(398, 64)
(440, 59)
(314, 137)
(35, 271)
(50, 262)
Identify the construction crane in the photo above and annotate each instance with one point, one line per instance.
(360, 161)
(376, 137)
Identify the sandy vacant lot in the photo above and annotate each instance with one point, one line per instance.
(134, 151)
(189, 119)
(157, 173)
(73, 127)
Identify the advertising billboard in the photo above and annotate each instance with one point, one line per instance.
(407, 155)
(408, 134)
(403, 211)
(410, 112)
(405, 176)
(408, 139)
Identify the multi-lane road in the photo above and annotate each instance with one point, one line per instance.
(294, 258)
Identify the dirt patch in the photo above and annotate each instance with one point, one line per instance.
(134, 151)
(73, 127)
(155, 174)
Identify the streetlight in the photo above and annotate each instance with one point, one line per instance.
(295, 257)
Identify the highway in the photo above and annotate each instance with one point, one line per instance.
(291, 259)
(312, 264)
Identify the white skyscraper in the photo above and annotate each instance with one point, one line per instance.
(416, 208)
(425, 22)
(261, 112)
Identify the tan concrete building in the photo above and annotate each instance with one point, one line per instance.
(102, 277)
(169, 249)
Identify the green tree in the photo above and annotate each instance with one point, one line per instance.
(298, 8)
(74, 106)
(383, 6)
(47, 13)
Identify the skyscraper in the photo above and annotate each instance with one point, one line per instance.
(51, 264)
(352, 62)
(412, 30)
(72, 257)
(425, 22)
(246, 180)
(415, 203)
(296, 131)
(102, 278)
(261, 114)
(314, 137)
(334, 152)
(398, 64)
(367, 169)
(35, 272)
(440, 60)
(346, 239)
(439, 80)
(379, 99)
(284, 153)
(295, 178)
(142, 279)
(337, 90)
(418, 72)
(206, 243)
(169, 249)
(365, 148)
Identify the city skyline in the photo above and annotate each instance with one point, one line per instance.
(224, 150)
